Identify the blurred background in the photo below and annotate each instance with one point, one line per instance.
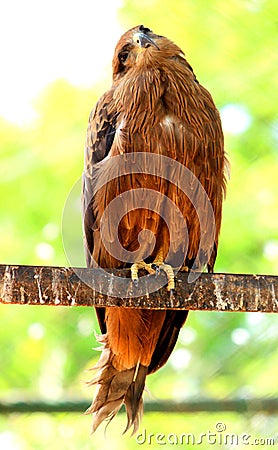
(55, 63)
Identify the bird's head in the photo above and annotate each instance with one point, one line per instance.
(138, 46)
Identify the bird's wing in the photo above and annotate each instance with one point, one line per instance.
(101, 129)
(100, 136)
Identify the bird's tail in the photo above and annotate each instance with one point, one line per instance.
(116, 387)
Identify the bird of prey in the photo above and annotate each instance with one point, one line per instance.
(155, 106)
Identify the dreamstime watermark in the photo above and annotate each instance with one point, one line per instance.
(175, 176)
(217, 437)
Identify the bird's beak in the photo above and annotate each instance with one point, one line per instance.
(144, 40)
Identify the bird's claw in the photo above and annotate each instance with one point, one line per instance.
(156, 268)
(172, 294)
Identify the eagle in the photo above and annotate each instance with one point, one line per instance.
(155, 108)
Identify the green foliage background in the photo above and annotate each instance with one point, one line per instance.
(45, 352)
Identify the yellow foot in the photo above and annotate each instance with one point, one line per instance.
(154, 268)
(140, 265)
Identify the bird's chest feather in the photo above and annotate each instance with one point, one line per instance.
(155, 115)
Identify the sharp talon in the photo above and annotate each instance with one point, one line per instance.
(135, 282)
(156, 268)
(172, 294)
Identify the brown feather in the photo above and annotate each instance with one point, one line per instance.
(115, 387)
(155, 105)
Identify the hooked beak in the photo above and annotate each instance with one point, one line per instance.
(144, 40)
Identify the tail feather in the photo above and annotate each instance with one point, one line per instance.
(114, 388)
(133, 399)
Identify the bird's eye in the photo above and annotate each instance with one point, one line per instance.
(123, 57)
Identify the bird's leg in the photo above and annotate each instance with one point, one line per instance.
(154, 268)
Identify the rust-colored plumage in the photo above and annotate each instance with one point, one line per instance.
(155, 105)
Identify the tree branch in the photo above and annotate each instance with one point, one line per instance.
(64, 286)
